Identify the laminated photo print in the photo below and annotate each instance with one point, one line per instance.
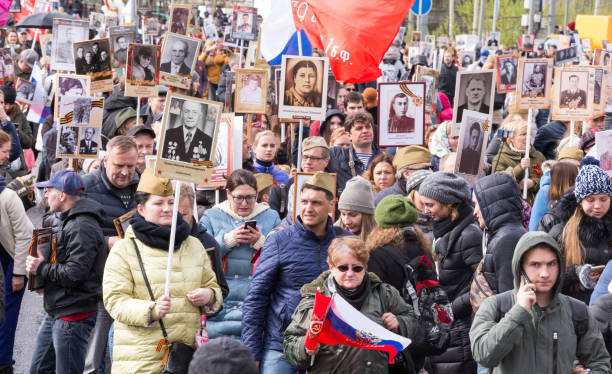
(244, 23)
(534, 83)
(65, 33)
(303, 87)
(179, 18)
(471, 150)
(7, 68)
(507, 72)
(401, 114)
(252, 90)
(93, 58)
(573, 96)
(69, 85)
(142, 70)
(179, 54)
(120, 37)
(25, 91)
(474, 91)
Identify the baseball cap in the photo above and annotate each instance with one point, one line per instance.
(66, 181)
(29, 57)
(141, 129)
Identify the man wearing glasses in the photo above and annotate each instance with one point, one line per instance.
(315, 157)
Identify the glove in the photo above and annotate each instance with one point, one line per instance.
(584, 275)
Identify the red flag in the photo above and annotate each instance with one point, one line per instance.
(304, 19)
(317, 318)
(355, 34)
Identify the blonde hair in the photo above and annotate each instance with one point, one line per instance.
(394, 236)
(367, 225)
(4, 138)
(573, 248)
(351, 245)
(262, 134)
(335, 135)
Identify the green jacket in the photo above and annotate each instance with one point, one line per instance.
(342, 358)
(522, 342)
(508, 159)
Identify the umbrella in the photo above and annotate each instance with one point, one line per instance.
(42, 20)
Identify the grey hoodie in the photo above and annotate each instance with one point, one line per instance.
(522, 342)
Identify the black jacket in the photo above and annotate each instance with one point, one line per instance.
(602, 311)
(112, 105)
(595, 235)
(547, 138)
(73, 284)
(499, 198)
(214, 253)
(447, 80)
(339, 163)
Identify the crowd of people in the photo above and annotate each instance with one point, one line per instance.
(524, 282)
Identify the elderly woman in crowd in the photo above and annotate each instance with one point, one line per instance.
(265, 146)
(240, 226)
(144, 250)
(356, 206)
(347, 260)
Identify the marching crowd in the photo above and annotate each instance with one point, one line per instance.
(476, 276)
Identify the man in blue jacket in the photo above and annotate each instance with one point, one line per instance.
(290, 258)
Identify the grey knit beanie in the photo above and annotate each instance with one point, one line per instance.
(357, 196)
(415, 179)
(446, 188)
(592, 180)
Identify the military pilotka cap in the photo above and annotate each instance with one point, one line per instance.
(313, 142)
(323, 180)
(264, 180)
(155, 185)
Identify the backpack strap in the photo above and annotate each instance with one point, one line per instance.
(504, 304)
(580, 316)
(284, 192)
(351, 161)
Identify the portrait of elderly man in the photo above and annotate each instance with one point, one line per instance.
(470, 155)
(508, 72)
(178, 53)
(475, 93)
(87, 145)
(185, 141)
(572, 97)
(399, 122)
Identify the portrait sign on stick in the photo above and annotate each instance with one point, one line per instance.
(179, 18)
(46, 46)
(25, 90)
(178, 58)
(7, 68)
(69, 85)
(244, 23)
(303, 87)
(533, 83)
(430, 78)
(603, 139)
(507, 68)
(223, 158)
(573, 96)
(80, 127)
(142, 70)
(474, 91)
(251, 90)
(401, 114)
(188, 135)
(93, 58)
(471, 150)
(120, 38)
(599, 91)
(65, 33)
(466, 58)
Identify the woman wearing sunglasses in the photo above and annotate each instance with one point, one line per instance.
(347, 259)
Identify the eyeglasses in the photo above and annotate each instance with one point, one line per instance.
(345, 268)
(350, 89)
(249, 198)
(312, 158)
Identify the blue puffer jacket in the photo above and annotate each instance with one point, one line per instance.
(540, 204)
(280, 177)
(219, 222)
(290, 258)
(116, 202)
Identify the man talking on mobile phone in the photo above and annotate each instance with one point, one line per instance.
(533, 328)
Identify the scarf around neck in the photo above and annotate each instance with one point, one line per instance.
(359, 295)
(440, 228)
(156, 236)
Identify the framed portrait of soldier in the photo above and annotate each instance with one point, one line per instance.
(415, 38)
(151, 26)
(178, 59)
(143, 4)
(442, 41)
(81, 110)
(15, 6)
(251, 90)
(466, 58)
(179, 18)
(244, 23)
(142, 78)
(228, 40)
(120, 37)
(7, 67)
(188, 138)
(533, 83)
(69, 85)
(599, 91)
(89, 141)
(93, 58)
(606, 59)
(430, 78)
(493, 39)
(96, 21)
(563, 56)
(573, 95)
(65, 33)
(46, 46)
(401, 114)
(507, 72)
(25, 91)
(110, 20)
(224, 149)
(474, 90)
(527, 42)
(603, 139)
(471, 150)
(303, 87)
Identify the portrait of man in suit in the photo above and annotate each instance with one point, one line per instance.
(470, 155)
(399, 122)
(508, 72)
(185, 141)
(475, 93)
(87, 145)
(244, 24)
(573, 97)
(178, 51)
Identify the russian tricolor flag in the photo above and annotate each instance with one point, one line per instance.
(280, 36)
(335, 321)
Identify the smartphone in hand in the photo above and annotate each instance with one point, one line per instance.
(251, 223)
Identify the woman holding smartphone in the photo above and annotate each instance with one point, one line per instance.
(240, 226)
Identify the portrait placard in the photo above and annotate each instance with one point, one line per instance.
(78, 141)
(178, 58)
(65, 33)
(210, 30)
(401, 114)
(188, 135)
(110, 20)
(69, 85)
(142, 70)
(527, 42)
(7, 68)
(466, 58)
(223, 162)
(507, 68)
(606, 59)
(151, 26)
(474, 90)
(563, 56)
(244, 23)
(46, 46)
(603, 141)
(304, 87)
(533, 83)
(415, 38)
(143, 5)
(251, 90)
(230, 92)
(299, 180)
(81, 110)
(399, 37)
(430, 78)
(93, 58)
(25, 90)
(442, 41)
(120, 37)
(493, 39)
(599, 91)
(430, 39)
(426, 49)
(43, 243)
(228, 41)
(573, 96)
(96, 21)
(179, 18)
(471, 150)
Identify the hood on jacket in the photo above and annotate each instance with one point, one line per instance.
(257, 210)
(85, 206)
(330, 113)
(529, 241)
(499, 198)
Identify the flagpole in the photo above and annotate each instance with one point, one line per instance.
(527, 147)
(177, 195)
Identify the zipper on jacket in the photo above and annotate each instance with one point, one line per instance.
(555, 344)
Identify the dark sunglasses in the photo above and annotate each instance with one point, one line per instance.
(345, 268)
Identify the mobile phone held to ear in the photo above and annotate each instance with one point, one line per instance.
(525, 278)
(251, 223)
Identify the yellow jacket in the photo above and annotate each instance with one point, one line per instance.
(127, 300)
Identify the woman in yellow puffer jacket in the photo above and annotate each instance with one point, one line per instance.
(126, 298)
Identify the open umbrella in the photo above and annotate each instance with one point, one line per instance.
(42, 20)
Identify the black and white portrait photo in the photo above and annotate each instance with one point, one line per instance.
(88, 144)
(178, 55)
(244, 23)
(474, 91)
(574, 96)
(228, 40)
(7, 69)
(473, 137)
(401, 113)
(605, 58)
(65, 33)
(143, 4)
(144, 61)
(120, 37)
(92, 57)
(574, 87)
(189, 135)
(493, 40)
(534, 83)
(563, 56)
(303, 84)
(46, 46)
(527, 41)
(96, 21)
(599, 76)
(252, 90)
(534, 79)
(151, 26)
(442, 41)
(81, 111)
(466, 58)
(507, 69)
(430, 78)
(69, 85)
(25, 91)
(179, 19)
(67, 141)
